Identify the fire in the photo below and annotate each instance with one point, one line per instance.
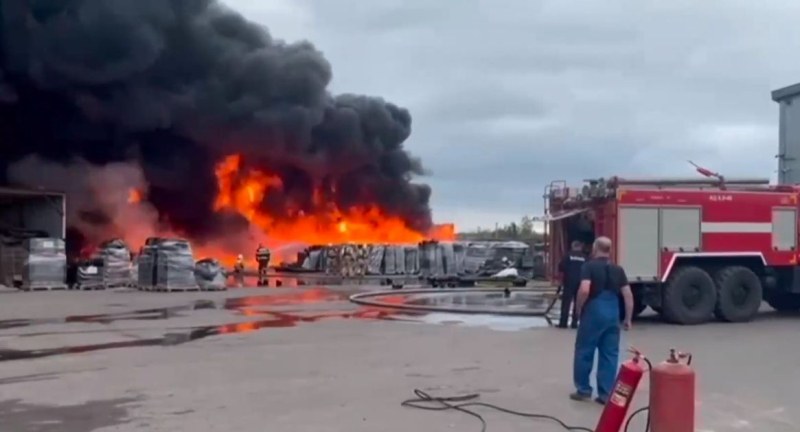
(134, 196)
(243, 191)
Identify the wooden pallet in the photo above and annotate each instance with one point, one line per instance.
(174, 289)
(122, 285)
(93, 287)
(44, 288)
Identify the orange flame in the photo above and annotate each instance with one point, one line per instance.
(243, 191)
(134, 196)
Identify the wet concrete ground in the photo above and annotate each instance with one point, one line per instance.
(306, 359)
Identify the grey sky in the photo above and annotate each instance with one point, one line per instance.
(507, 95)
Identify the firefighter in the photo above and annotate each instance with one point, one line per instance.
(331, 260)
(570, 271)
(347, 260)
(362, 259)
(238, 271)
(262, 258)
(603, 287)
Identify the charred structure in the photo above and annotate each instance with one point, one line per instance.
(121, 102)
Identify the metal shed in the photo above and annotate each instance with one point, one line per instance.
(789, 134)
(33, 210)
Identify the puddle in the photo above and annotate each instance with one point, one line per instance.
(505, 302)
(493, 322)
(312, 296)
(497, 310)
(277, 320)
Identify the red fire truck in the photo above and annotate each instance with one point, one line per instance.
(693, 248)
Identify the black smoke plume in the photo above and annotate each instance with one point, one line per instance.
(163, 89)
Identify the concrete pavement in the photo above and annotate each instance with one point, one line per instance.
(349, 373)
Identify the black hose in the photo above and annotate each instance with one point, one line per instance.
(640, 410)
(427, 402)
(553, 302)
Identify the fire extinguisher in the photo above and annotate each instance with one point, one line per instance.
(630, 373)
(672, 393)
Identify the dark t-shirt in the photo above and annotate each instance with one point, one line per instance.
(605, 275)
(598, 270)
(571, 267)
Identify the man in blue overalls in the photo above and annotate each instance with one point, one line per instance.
(603, 285)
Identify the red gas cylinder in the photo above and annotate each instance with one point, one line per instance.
(672, 388)
(630, 373)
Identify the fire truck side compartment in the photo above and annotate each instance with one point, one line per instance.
(784, 238)
(638, 242)
(680, 229)
(784, 228)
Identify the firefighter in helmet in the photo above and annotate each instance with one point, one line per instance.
(331, 260)
(348, 260)
(263, 256)
(362, 259)
(238, 271)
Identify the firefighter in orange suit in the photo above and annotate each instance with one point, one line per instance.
(238, 271)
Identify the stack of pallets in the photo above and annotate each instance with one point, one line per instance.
(33, 264)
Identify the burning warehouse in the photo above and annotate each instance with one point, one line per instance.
(183, 119)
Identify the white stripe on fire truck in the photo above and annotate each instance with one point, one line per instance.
(736, 227)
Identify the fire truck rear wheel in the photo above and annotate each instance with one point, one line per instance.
(689, 296)
(739, 294)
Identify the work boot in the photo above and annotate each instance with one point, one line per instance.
(580, 397)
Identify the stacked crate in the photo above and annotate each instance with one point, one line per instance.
(145, 271)
(90, 274)
(33, 263)
(116, 264)
(174, 266)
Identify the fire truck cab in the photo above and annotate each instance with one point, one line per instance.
(693, 249)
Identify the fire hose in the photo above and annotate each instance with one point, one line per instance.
(671, 399)
(553, 301)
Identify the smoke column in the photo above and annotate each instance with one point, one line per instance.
(99, 94)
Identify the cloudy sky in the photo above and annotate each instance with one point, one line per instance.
(507, 95)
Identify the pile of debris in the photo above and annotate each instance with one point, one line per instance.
(210, 275)
(109, 267)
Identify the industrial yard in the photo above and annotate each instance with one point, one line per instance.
(209, 222)
(343, 367)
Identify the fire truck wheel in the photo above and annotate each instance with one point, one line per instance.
(689, 296)
(739, 294)
(784, 302)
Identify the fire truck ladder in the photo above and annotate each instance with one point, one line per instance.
(710, 179)
(685, 182)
